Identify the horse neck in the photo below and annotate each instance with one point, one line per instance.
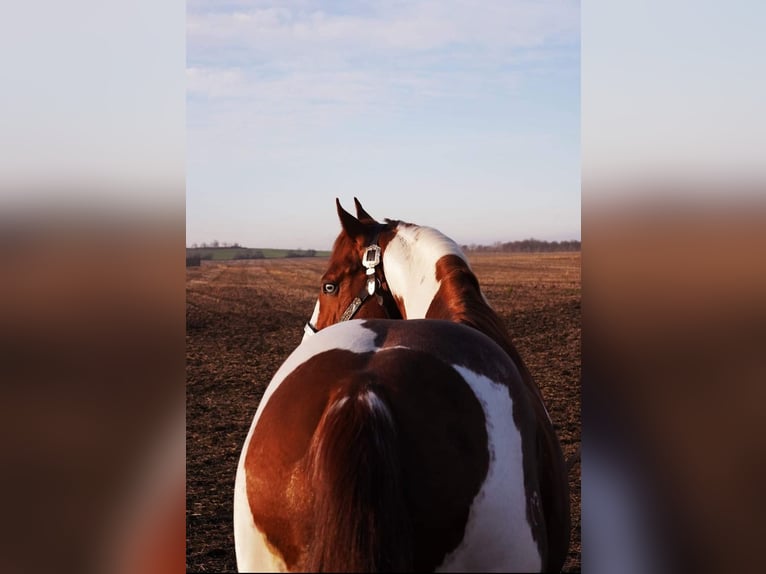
(430, 278)
(409, 263)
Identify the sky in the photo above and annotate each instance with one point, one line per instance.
(462, 116)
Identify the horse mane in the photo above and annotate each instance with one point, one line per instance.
(361, 520)
(460, 300)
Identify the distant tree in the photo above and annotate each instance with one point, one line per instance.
(214, 244)
(301, 253)
(249, 254)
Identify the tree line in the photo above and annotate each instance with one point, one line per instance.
(235, 251)
(524, 246)
(215, 244)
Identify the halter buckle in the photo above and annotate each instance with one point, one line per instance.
(371, 258)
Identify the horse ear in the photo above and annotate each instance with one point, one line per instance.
(351, 225)
(362, 214)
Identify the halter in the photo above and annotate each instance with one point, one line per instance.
(370, 260)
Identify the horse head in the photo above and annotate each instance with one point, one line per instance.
(393, 270)
(354, 284)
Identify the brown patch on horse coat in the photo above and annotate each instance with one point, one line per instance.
(440, 427)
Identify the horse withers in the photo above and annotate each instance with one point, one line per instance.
(384, 444)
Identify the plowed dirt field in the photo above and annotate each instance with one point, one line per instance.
(244, 318)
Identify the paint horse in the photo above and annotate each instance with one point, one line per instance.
(384, 444)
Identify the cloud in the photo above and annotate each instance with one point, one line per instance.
(315, 64)
(215, 82)
(289, 28)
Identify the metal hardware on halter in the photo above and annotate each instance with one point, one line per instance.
(370, 260)
(352, 309)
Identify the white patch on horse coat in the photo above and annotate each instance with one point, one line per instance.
(500, 505)
(377, 405)
(338, 404)
(307, 332)
(372, 401)
(410, 265)
(253, 553)
(250, 545)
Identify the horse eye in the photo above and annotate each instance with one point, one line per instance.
(329, 288)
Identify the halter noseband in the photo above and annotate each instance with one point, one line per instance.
(370, 260)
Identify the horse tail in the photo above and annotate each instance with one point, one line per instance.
(361, 518)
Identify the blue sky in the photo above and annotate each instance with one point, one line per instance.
(463, 116)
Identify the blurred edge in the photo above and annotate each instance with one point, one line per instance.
(674, 287)
(92, 240)
(92, 404)
(674, 332)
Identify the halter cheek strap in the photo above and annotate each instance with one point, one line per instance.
(369, 289)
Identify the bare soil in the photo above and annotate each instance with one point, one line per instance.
(244, 318)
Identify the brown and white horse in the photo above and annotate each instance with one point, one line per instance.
(384, 444)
